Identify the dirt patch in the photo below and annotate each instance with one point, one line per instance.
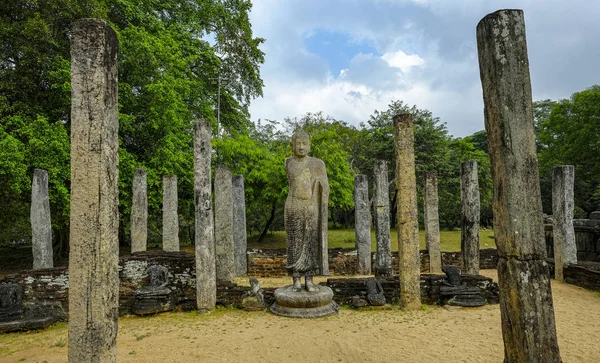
(434, 334)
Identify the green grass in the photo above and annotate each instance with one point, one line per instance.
(345, 238)
(59, 343)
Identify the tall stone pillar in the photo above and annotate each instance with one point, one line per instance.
(94, 207)
(224, 224)
(432, 222)
(239, 226)
(139, 211)
(362, 224)
(381, 209)
(407, 216)
(470, 208)
(527, 312)
(206, 283)
(170, 216)
(565, 249)
(41, 228)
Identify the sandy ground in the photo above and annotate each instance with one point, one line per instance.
(434, 334)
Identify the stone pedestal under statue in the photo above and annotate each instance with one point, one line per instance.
(304, 304)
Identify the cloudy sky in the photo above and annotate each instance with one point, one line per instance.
(348, 58)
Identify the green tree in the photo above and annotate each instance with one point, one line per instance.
(35, 144)
(377, 143)
(461, 150)
(331, 141)
(259, 156)
(167, 69)
(570, 135)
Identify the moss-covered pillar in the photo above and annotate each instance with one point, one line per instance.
(407, 216)
(206, 282)
(432, 222)
(565, 250)
(381, 211)
(469, 225)
(94, 207)
(362, 224)
(528, 326)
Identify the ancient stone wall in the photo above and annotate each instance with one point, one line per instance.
(344, 289)
(587, 239)
(343, 262)
(585, 274)
(46, 291)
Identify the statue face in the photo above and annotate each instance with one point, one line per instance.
(301, 147)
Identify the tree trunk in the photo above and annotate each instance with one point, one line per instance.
(268, 225)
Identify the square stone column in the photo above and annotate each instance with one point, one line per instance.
(204, 237)
(407, 215)
(170, 216)
(139, 212)
(94, 207)
(41, 228)
(362, 224)
(239, 226)
(432, 222)
(470, 213)
(224, 246)
(563, 203)
(528, 326)
(381, 210)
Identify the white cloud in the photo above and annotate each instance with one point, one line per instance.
(427, 56)
(401, 60)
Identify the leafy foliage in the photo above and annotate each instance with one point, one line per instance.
(167, 72)
(569, 134)
(180, 58)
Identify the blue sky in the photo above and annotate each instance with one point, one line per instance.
(349, 58)
(336, 48)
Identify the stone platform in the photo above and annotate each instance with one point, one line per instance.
(304, 304)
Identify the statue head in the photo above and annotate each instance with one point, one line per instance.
(300, 143)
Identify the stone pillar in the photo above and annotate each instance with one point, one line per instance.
(528, 326)
(139, 211)
(469, 228)
(565, 249)
(239, 226)
(94, 207)
(362, 224)
(381, 209)
(41, 229)
(432, 222)
(170, 216)
(224, 224)
(407, 216)
(206, 283)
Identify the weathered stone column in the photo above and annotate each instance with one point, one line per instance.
(528, 326)
(239, 226)
(407, 216)
(170, 216)
(362, 224)
(41, 228)
(432, 222)
(381, 210)
(224, 224)
(470, 208)
(139, 211)
(206, 283)
(94, 208)
(565, 249)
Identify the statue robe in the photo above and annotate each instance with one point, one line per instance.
(306, 217)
